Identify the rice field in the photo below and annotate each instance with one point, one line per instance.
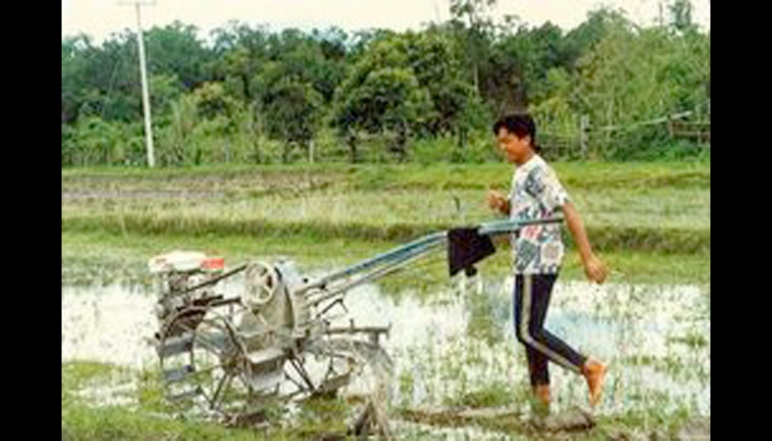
(454, 350)
(649, 221)
(110, 215)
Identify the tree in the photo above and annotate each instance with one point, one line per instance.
(447, 80)
(96, 80)
(166, 89)
(438, 65)
(212, 101)
(388, 100)
(474, 27)
(174, 138)
(631, 77)
(681, 15)
(175, 49)
(522, 60)
(239, 53)
(73, 69)
(98, 142)
(383, 95)
(580, 40)
(294, 107)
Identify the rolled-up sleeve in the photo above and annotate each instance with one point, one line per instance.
(544, 186)
(554, 195)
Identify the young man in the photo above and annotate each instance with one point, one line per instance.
(537, 193)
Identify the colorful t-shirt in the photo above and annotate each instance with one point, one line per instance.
(537, 194)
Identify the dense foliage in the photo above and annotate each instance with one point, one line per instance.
(251, 95)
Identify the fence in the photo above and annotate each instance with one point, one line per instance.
(585, 141)
(690, 125)
(698, 131)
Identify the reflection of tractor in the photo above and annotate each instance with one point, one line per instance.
(274, 338)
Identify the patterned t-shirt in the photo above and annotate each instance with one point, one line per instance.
(536, 194)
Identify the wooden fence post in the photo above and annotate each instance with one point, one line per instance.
(584, 126)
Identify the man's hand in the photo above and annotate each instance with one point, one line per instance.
(498, 201)
(595, 270)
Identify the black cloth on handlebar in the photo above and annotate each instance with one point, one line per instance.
(465, 248)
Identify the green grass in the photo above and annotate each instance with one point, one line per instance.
(440, 175)
(101, 256)
(149, 420)
(83, 420)
(663, 208)
(497, 394)
(77, 375)
(660, 213)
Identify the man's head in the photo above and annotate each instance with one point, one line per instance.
(516, 137)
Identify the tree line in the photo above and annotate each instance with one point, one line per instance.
(251, 95)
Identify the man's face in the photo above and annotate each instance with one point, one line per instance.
(515, 149)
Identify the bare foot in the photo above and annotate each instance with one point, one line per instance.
(594, 372)
(542, 392)
(541, 400)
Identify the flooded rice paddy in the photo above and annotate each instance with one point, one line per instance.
(457, 347)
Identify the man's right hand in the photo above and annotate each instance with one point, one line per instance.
(498, 201)
(595, 269)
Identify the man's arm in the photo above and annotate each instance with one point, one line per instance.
(595, 269)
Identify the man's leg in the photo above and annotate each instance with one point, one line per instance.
(540, 379)
(537, 362)
(536, 294)
(537, 367)
(537, 291)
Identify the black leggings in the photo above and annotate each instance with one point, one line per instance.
(532, 297)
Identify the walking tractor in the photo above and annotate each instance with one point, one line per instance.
(273, 339)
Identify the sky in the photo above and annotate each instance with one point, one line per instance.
(101, 18)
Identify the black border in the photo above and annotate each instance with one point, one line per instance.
(737, 288)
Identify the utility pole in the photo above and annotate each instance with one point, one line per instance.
(143, 76)
(436, 12)
(661, 19)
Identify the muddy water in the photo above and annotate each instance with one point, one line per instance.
(657, 340)
(461, 342)
(108, 324)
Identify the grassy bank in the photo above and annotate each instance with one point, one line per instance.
(650, 221)
(103, 257)
(86, 419)
(441, 175)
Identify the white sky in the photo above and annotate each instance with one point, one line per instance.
(100, 18)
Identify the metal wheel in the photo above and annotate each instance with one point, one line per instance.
(372, 366)
(262, 282)
(203, 361)
(358, 371)
(316, 372)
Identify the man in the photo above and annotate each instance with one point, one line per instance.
(536, 194)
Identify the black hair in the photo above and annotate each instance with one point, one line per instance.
(521, 124)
